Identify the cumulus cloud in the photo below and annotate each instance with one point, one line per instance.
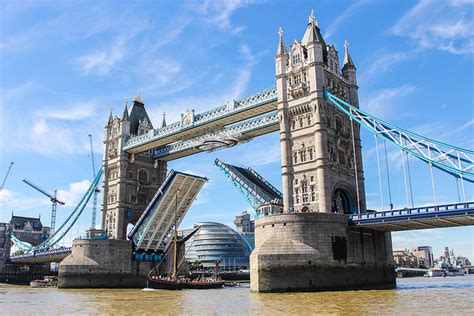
(450, 26)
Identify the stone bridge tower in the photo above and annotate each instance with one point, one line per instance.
(130, 180)
(311, 246)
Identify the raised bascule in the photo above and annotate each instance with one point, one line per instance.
(314, 235)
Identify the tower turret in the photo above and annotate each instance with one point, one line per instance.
(348, 68)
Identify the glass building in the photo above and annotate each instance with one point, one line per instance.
(216, 241)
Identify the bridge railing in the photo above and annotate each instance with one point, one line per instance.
(414, 211)
(39, 254)
(231, 107)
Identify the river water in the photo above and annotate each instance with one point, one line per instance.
(413, 296)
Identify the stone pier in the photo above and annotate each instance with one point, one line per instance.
(318, 252)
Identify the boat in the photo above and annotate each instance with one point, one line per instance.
(176, 282)
(48, 281)
(436, 272)
(454, 272)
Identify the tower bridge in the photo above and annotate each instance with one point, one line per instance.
(316, 234)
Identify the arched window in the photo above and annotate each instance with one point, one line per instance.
(296, 58)
(295, 157)
(301, 122)
(293, 124)
(142, 175)
(310, 152)
(309, 120)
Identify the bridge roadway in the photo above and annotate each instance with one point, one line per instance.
(55, 255)
(218, 120)
(436, 216)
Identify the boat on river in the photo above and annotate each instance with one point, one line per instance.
(176, 282)
(436, 272)
(48, 281)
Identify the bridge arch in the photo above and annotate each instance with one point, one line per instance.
(343, 199)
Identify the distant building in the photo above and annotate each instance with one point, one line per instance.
(28, 229)
(404, 258)
(424, 254)
(4, 242)
(215, 241)
(245, 226)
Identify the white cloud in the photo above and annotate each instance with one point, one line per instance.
(343, 16)
(74, 192)
(381, 103)
(14, 201)
(73, 112)
(102, 62)
(218, 13)
(450, 26)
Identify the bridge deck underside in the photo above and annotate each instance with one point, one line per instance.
(42, 257)
(171, 202)
(205, 127)
(461, 215)
(191, 150)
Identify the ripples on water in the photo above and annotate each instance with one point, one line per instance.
(413, 296)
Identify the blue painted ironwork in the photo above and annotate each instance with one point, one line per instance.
(410, 215)
(230, 108)
(256, 190)
(235, 131)
(173, 199)
(41, 254)
(456, 161)
(66, 226)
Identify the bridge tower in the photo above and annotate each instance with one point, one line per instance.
(310, 246)
(130, 180)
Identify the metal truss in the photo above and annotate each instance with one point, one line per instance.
(456, 161)
(235, 131)
(171, 203)
(231, 107)
(253, 197)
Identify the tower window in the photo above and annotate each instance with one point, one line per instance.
(309, 120)
(293, 125)
(296, 58)
(310, 151)
(297, 79)
(301, 122)
(295, 157)
(296, 181)
(142, 176)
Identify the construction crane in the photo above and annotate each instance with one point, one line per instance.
(53, 199)
(6, 176)
(96, 190)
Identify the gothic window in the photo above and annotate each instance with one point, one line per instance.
(297, 199)
(301, 122)
(296, 191)
(310, 152)
(305, 77)
(304, 186)
(133, 199)
(296, 181)
(309, 120)
(293, 125)
(142, 176)
(295, 157)
(305, 198)
(303, 155)
(297, 79)
(313, 194)
(296, 58)
(312, 178)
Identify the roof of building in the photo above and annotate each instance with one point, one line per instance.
(137, 113)
(19, 222)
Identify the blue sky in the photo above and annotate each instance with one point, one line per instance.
(65, 64)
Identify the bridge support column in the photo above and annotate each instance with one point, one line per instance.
(318, 252)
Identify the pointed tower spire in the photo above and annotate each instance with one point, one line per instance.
(163, 123)
(111, 118)
(125, 115)
(312, 34)
(281, 50)
(347, 57)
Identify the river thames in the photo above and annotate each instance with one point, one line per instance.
(443, 296)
